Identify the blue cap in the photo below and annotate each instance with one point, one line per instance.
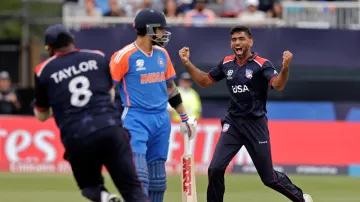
(52, 33)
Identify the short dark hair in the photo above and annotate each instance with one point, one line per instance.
(241, 28)
(141, 31)
(62, 40)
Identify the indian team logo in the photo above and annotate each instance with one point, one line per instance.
(225, 127)
(248, 73)
(161, 62)
(140, 65)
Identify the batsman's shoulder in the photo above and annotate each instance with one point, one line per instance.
(123, 53)
(162, 49)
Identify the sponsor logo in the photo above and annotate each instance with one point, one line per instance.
(140, 65)
(187, 181)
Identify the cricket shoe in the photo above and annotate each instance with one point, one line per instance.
(308, 198)
(111, 198)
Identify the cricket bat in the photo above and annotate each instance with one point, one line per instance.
(188, 184)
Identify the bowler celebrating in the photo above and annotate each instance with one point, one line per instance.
(248, 77)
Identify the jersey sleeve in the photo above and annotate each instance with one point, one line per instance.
(269, 71)
(170, 70)
(216, 73)
(119, 66)
(41, 96)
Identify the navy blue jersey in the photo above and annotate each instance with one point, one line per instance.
(76, 86)
(247, 83)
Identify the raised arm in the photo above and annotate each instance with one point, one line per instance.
(279, 82)
(202, 78)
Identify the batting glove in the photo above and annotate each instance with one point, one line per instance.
(188, 126)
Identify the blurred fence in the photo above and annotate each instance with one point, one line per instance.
(304, 14)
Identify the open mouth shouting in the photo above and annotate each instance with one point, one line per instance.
(239, 51)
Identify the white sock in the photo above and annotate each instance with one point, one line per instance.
(104, 196)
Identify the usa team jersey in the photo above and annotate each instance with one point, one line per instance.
(76, 86)
(142, 77)
(247, 83)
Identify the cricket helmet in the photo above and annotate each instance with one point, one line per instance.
(147, 21)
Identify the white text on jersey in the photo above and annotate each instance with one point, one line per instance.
(73, 70)
(239, 88)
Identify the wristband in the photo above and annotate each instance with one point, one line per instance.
(184, 117)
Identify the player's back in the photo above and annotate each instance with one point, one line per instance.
(78, 85)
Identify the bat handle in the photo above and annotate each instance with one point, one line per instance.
(186, 144)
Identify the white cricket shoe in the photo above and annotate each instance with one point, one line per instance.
(114, 198)
(308, 198)
(107, 197)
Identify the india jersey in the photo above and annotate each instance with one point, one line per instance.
(142, 77)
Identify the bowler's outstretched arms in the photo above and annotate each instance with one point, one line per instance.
(204, 80)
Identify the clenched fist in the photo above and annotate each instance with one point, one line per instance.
(184, 54)
(287, 56)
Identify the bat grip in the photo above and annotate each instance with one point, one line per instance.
(186, 144)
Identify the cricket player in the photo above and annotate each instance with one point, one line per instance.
(248, 77)
(145, 74)
(75, 86)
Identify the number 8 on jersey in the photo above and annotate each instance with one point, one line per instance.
(80, 92)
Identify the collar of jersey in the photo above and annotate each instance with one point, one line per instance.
(66, 53)
(251, 58)
(147, 55)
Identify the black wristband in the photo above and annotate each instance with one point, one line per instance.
(175, 101)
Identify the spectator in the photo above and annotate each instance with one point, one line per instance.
(276, 11)
(171, 10)
(231, 8)
(183, 6)
(200, 16)
(252, 17)
(191, 99)
(9, 103)
(90, 9)
(144, 4)
(115, 10)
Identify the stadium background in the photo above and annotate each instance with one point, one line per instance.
(314, 122)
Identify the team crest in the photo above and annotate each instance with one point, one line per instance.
(140, 65)
(248, 73)
(161, 62)
(225, 127)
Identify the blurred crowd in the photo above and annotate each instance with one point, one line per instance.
(193, 12)
(9, 103)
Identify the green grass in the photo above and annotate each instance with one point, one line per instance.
(62, 188)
